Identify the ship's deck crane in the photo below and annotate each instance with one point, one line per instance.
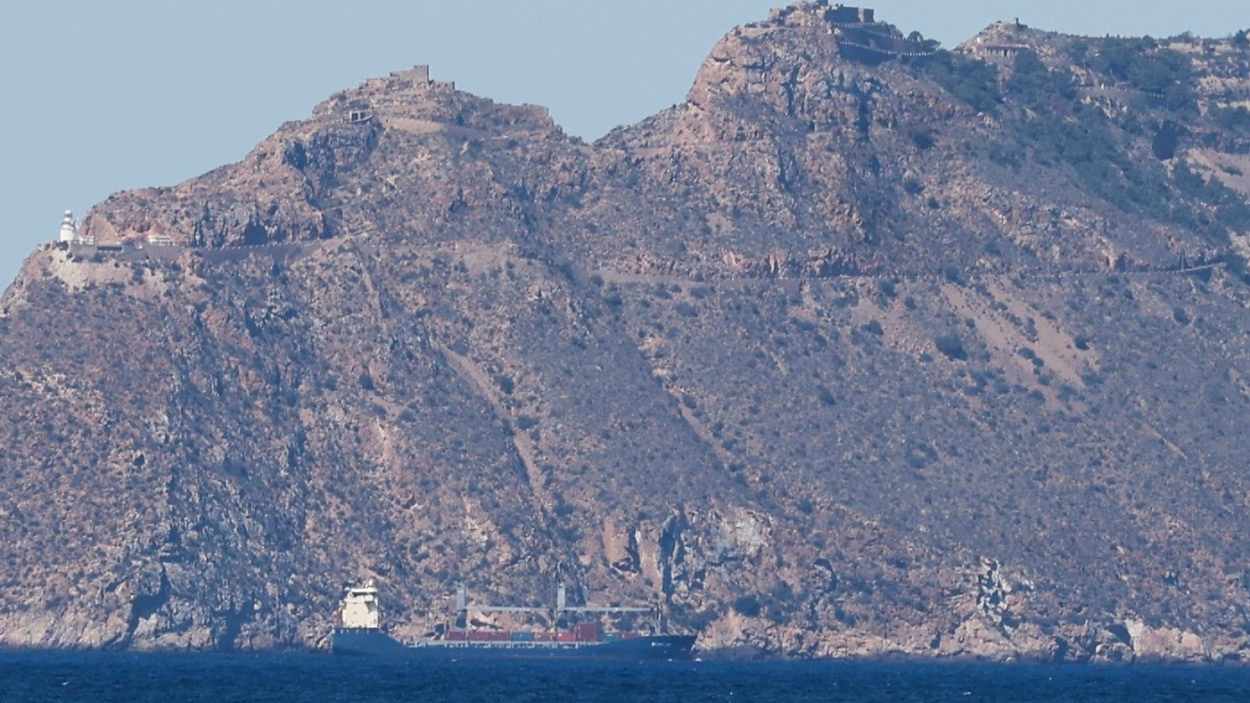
(562, 606)
(463, 607)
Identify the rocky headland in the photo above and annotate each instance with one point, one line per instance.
(866, 348)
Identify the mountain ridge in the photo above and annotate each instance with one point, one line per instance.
(849, 354)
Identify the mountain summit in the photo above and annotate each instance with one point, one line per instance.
(867, 347)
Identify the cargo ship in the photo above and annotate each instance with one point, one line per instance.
(360, 632)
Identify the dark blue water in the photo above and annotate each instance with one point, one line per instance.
(103, 678)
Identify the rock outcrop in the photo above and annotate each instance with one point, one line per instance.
(866, 348)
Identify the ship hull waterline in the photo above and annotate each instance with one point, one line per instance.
(376, 643)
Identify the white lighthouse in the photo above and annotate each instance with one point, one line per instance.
(69, 230)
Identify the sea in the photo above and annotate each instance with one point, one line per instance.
(318, 678)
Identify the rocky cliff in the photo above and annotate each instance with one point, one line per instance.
(867, 347)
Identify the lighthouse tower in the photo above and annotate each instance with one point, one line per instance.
(69, 230)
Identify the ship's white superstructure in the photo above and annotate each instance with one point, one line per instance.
(360, 608)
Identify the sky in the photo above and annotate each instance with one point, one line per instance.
(101, 97)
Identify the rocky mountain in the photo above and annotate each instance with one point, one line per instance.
(867, 347)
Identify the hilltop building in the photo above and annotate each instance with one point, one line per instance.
(1001, 41)
(1006, 51)
(382, 98)
(69, 230)
(70, 233)
(857, 15)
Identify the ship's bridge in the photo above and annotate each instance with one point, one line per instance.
(360, 609)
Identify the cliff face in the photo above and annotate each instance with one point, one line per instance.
(864, 348)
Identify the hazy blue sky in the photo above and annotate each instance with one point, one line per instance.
(102, 96)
